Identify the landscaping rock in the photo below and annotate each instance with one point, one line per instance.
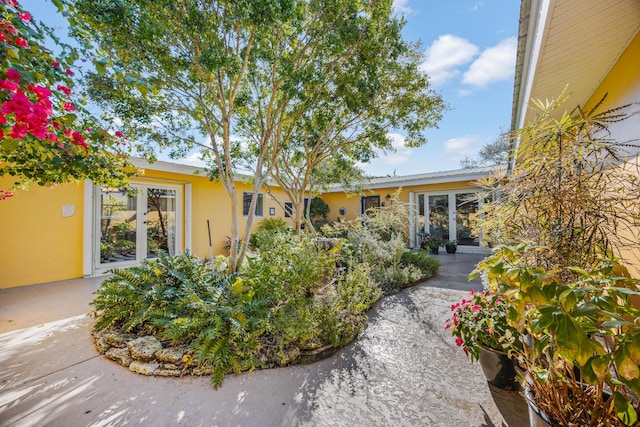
(115, 339)
(144, 348)
(289, 356)
(143, 368)
(101, 344)
(120, 355)
(171, 354)
(167, 372)
(202, 370)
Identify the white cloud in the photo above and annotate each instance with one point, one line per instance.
(494, 64)
(401, 154)
(460, 147)
(194, 160)
(476, 6)
(445, 55)
(400, 7)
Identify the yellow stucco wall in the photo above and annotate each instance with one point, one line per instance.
(337, 200)
(39, 244)
(622, 86)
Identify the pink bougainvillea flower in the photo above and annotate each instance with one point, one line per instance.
(8, 85)
(459, 341)
(64, 89)
(447, 325)
(454, 306)
(69, 72)
(25, 16)
(5, 194)
(19, 41)
(40, 91)
(118, 134)
(476, 307)
(78, 139)
(55, 64)
(68, 106)
(13, 75)
(18, 131)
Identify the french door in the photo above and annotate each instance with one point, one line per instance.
(136, 225)
(447, 216)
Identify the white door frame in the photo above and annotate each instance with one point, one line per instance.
(92, 216)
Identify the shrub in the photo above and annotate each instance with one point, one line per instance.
(178, 299)
(427, 264)
(266, 230)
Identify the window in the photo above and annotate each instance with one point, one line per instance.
(246, 203)
(369, 202)
(288, 209)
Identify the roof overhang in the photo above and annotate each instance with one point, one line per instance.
(568, 42)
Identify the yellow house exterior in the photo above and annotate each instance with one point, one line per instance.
(438, 204)
(51, 234)
(592, 46)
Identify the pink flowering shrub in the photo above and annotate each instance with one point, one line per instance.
(481, 320)
(46, 134)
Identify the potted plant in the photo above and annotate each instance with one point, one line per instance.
(582, 355)
(433, 243)
(482, 330)
(451, 246)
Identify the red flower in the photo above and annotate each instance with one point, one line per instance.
(476, 307)
(68, 106)
(5, 194)
(18, 131)
(69, 72)
(64, 89)
(459, 341)
(119, 134)
(25, 16)
(55, 64)
(13, 75)
(8, 85)
(79, 140)
(19, 41)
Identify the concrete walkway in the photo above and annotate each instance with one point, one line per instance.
(403, 370)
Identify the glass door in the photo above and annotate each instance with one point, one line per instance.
(136, 225)
(466, 207)
(438, 216)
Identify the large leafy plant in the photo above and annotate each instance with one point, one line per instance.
(582, 351)
(178, 299)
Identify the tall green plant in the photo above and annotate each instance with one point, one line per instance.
(582, 351)
(571, 189)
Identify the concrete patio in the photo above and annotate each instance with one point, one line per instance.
(403, 370)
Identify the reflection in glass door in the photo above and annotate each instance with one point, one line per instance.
(160, 221)
(118, 225)
(439, 216)
(466, 207)
(134, 226)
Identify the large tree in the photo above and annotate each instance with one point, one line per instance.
(46, 134)
(346, 77)
(176, 73)
(259, 81)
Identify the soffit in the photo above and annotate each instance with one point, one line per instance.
(582, 41)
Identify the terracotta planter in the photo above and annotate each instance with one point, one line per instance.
(499, 369)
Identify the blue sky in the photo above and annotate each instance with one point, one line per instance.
(469, 52)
